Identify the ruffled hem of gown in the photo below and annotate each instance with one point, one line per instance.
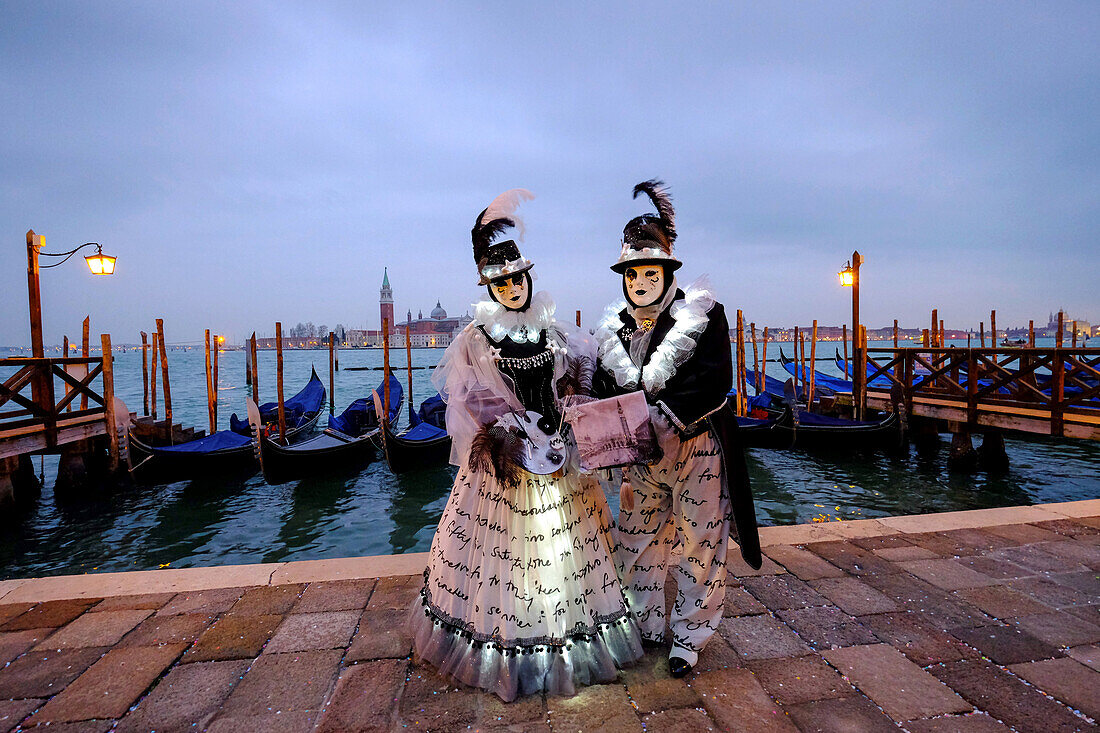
(508, 668)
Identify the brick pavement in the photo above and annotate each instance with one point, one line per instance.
(968, 629)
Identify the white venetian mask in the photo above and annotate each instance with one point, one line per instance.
(511, 292)
(644, 284)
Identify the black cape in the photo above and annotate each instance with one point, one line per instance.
(696, 398)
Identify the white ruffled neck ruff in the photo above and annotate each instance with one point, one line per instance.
(526, 325)
(690, 318)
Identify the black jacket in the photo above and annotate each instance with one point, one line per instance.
(694, 399)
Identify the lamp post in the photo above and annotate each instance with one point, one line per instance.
(849, 278)
(98, 263)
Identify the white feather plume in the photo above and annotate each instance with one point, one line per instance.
(505, 205)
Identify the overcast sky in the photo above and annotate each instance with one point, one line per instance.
(254, 162)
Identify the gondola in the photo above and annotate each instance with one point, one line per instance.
(223, 452)
(824, 384)
(820, 432)
(348, 442)
(425, 444)
(302, 408)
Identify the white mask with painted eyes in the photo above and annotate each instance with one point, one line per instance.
(644, 284)
(511, 292)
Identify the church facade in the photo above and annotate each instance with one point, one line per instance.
(437, 330)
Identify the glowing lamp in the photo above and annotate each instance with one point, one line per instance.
(847, 276)
(99, 263)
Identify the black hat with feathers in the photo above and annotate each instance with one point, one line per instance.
(649, 238)
(500, 259)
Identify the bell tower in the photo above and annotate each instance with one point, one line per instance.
(385, 302)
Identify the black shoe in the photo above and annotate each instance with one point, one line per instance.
(652, 643)
(678, 667)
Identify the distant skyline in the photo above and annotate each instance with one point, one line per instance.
(256, 162)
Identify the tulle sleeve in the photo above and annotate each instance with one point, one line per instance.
(475, 392)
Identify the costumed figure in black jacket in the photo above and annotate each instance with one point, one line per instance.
(674, 345)
(521, 593)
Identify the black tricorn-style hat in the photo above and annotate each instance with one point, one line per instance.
(648, 239)
(500, 259)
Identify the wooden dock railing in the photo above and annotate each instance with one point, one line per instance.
(1050, 391)
(37, 400)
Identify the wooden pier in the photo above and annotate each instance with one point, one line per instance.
(1049, 391)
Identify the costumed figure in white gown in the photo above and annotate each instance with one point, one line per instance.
(521, 593)
(673, 345)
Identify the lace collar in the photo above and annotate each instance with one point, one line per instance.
(690, 318)
(520, 326)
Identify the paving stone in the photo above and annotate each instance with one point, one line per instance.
(897, 554)
(1058, 628)
(738, 602)
(382, 634)
(826, 627)
(652, 688)
(736, 567)
(783, 591)
(678, 721)
(186, 699)
(84, 726)
(1001, 601)
(1023, 534)
(301, 632)
(995, 568)
(736, 701)
(603, 708)
(276, 722)
(233, 637)
(523, 713)
(958, 542)
(267, 600)
(151, 601)
(202, 602)
(802, 563)
(1051, 593)
(284, 683)
(335, 595)
(881, 542)
(45, 673)
(939, 609)
(1081, 552)
(1091, 614)
(14, 643)
(395, 592)
(854, 596)
(902, 689)
(110, 686)
(920, 642)
(8, 611)
(365, 698)
(717, 654)
(1070, 527)
(1034, 558)
(1007, 698)
(49, 614)
(1067, 680)
(945, 574)
(1086, 582)
(761, 637)
(850, 714)
(793, 681)
(1007, 644)
(1088, 655)
(13, 711)
(854, 560)
(180, 629)
(100, 628)
(969, 723)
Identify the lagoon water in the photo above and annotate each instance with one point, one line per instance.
(373, 512)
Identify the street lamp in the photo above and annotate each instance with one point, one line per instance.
(849, 278)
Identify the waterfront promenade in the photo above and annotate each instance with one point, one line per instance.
(979, 621)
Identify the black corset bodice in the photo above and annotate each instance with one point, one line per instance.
(529, 368)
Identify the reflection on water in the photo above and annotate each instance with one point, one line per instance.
(373, 512)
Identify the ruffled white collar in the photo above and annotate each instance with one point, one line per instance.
(526, 325)
(690, 318)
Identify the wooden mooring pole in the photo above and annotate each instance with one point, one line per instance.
(981, 333)
(993, 337)
(797, 367)
(331, 373)
(813, 357)
(763, 364)
(109, 400)
(578, 319)
(217, 378)
(409, 365)
(164, 379)
(65, 355)
(209, 383)
(385, 369)
(895, 333)
(1073, 336)
(755, 355)
(145, 373)
(153, 378)
(85, 351)
(1031, 334)
(279, 378)
(255, 369)
(935, 329)
(844, 339)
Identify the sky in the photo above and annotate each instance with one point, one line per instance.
(254, 162)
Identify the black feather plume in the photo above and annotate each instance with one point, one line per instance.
(484, 234)
(658, 194)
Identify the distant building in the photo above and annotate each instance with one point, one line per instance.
(437, 330)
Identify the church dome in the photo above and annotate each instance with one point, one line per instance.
(438, 313)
